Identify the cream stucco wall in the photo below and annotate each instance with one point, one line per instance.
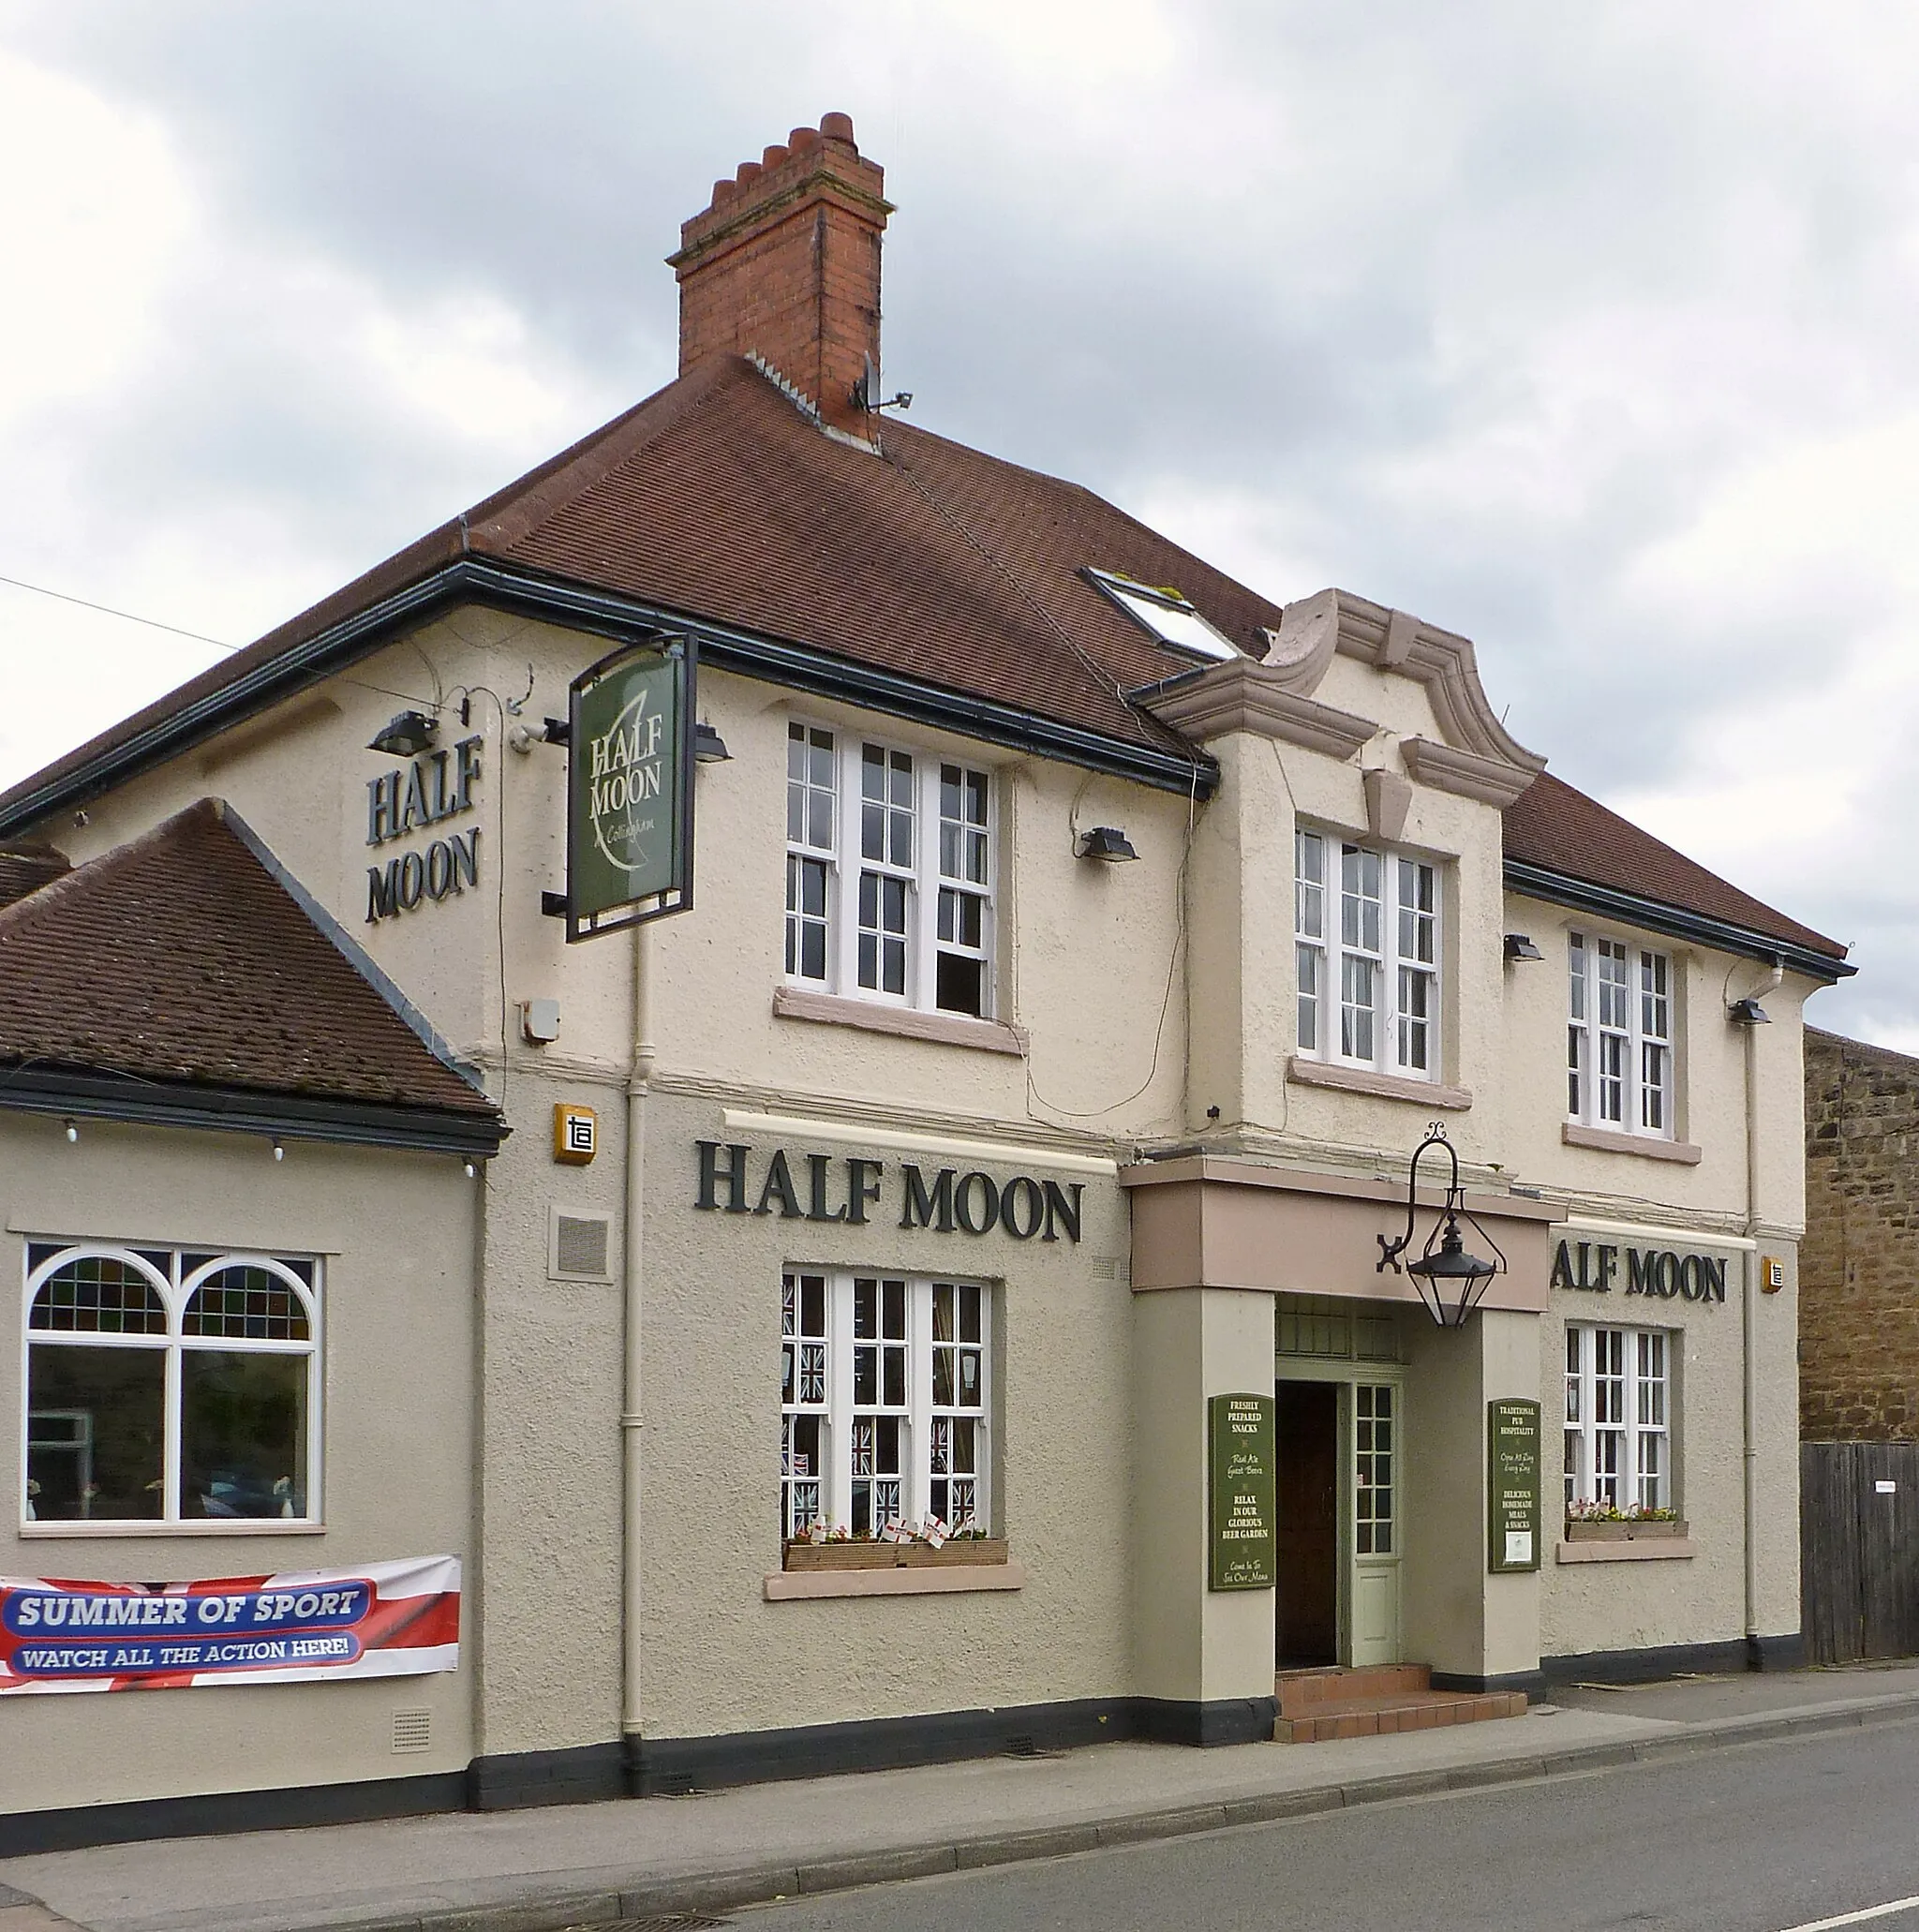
(396, 1235)
(718, 1656)
(1148, 994)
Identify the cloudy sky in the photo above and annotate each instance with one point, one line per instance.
(1588, 332)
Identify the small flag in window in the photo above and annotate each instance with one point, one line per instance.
(933, 1531)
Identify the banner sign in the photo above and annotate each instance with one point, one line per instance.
(629, 789)
(1243, 1544)
(1512, 1486)
(382, 1620)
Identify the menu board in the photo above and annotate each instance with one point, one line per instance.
(1244, 1503)
(1512, 1485)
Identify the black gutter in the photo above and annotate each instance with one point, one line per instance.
(233, 1110)
(1677, 922)
(609, 615)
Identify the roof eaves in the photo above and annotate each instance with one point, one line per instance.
(1677, 922)
(84, 1095)
(307, 661)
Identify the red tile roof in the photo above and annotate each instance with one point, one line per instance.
(718, 498)
(1552, 826)
(181, 959)
(24, 872)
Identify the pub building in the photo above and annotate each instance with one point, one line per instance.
(911, 1123)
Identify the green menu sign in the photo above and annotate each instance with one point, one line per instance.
(1512, 1485)
(1239, 1441)
(629, 793)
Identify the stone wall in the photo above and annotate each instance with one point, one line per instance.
(1859, 1262)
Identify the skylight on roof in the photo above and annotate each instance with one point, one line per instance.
(1167, 615)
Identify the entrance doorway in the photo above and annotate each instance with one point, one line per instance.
(1307, 1440)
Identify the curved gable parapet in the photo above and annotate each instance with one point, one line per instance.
(1245, 696)
(1335, 623)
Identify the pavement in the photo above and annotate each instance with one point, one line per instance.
(595, 1864)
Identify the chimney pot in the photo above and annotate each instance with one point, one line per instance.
(802, 140)
(838, 127)
(748, 172)
(724, 191)
(772, 156)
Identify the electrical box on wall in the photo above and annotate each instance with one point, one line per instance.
(540, 1021)
(575, 1135)
(1771, 1274)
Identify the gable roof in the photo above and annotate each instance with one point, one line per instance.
(181, 977)
(1555, 833)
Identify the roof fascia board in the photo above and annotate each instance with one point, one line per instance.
(235, 1110)
(620, 619)
(355, 954)
(1677, 922)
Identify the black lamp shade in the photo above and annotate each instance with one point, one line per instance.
(1450, 1282)
(709, 747)
(407, 735)
(1107, 843)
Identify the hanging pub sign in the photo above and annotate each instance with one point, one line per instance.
(629, 789)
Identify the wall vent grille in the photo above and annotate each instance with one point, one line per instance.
(412, 1730)
(579, 1247)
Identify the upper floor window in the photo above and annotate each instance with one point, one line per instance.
(1619, 1036)
(890, 886)
(1366, 946)
(164, 1386)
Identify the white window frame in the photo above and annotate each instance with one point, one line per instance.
(932, 892)
(919, 1415)
(1621, 1035)
(1620, 1417)
(1337, 951)
(175, 1285)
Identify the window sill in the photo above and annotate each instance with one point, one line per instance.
(1605, 1140)
(867, 1553)
(238, 1526)
(1355, 1079)
(903, 1022)
(1650, 1550)
(789, 1585)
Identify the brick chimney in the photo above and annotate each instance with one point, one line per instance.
(785, 263)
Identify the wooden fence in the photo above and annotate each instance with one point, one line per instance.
(1859, 1549)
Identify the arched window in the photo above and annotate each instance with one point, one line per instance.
(166, 1385)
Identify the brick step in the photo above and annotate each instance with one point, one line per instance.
(1302, 1692)
(1375, 1716)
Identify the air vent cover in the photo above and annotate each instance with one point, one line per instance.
(412, 1730)
(579, 1247)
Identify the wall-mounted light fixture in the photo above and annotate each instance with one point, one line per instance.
(472, 1170)
(72, 1133)
(1107, 843)
(1747, 1013)
(1450, 1280)
(709, 747)
(407, 735)
(280, 1152)
(1519, 945)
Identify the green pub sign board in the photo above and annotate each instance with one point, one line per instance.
(1242, 1546)
(630, 793)
(1512, 1485)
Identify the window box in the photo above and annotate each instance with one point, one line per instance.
(1626, 1532)
(866, 1554)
